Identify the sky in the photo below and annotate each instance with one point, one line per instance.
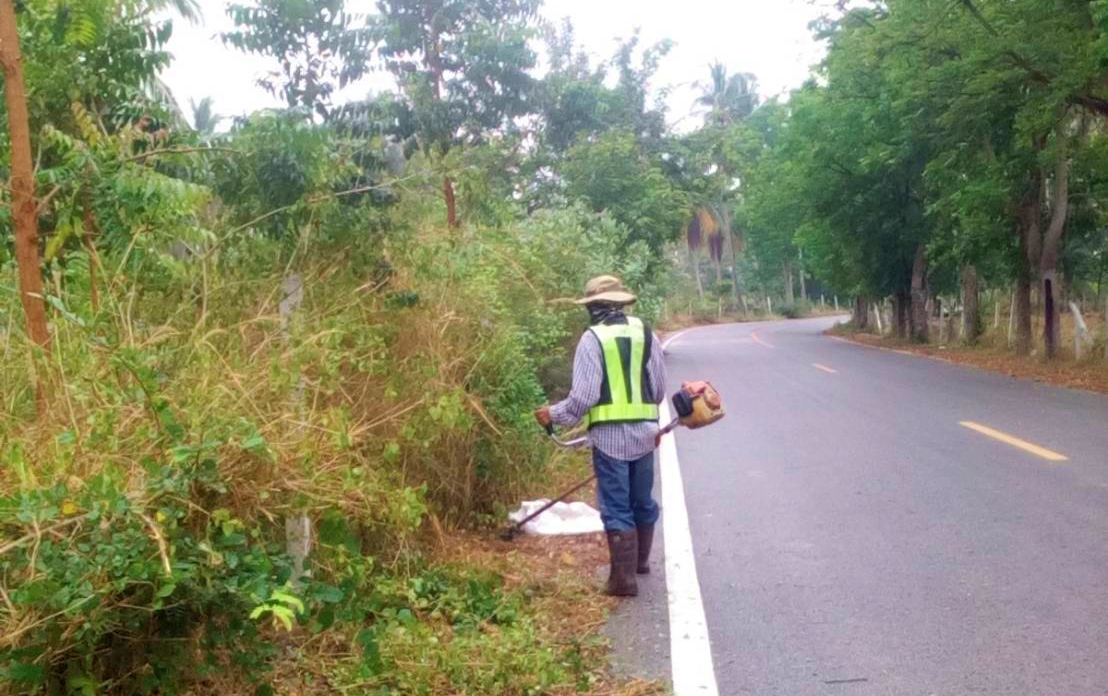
(769, 38)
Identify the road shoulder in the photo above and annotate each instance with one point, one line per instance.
(1090, 376)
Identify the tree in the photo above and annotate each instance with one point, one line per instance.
(318, 44)
(844, 175)
(729, 98)
(463, 67)
(204, 119)
(24, 212)
(615, 177)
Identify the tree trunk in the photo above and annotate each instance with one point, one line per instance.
(919, 319)
(861, 313)
(951, 306)
(971, 320)
(432, 60)
(803, 285)
(902, 313)
(89, 220)
(1050, 287)
(942, 321)
(1051, 308)
(726, 215)
(24, 214)
(1030, 240)
(1023, 316)
(790, 293)
(451, 202)
(908, 320)
(694, 266)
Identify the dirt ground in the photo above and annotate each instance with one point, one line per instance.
(992, 353)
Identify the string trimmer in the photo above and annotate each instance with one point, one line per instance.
(697, 404)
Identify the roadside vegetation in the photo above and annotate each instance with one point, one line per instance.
(958, 199)
(266, 380)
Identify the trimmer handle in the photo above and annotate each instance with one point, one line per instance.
(569, 444)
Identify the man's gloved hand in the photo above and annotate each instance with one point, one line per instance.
(542, 415)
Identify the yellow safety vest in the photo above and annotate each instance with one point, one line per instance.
(625, 394)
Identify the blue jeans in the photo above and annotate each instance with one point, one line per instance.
(624, 491)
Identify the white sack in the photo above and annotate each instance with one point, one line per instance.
(562, 519)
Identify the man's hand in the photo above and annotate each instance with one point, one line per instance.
(542, 415)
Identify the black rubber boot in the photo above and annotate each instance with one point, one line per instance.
(646, 540)
(623, 549)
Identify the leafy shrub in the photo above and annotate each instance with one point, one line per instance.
(795, 310)
(143, 516)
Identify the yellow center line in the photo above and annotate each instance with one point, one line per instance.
(1024, 445)
(825, 368)
(759, 341)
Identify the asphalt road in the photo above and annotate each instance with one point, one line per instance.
(853, 537)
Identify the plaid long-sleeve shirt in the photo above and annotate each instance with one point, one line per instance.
(624, 441)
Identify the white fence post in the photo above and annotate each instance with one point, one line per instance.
(1081, 331)
(837, 303)
(880, 324)
(1011, 318)
(298, 529)
(298, 543)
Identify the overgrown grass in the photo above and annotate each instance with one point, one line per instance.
(187, 421)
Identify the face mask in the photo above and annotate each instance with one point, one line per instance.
(600, 313)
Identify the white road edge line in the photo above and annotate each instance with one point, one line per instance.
(690, 649)
(674, 337)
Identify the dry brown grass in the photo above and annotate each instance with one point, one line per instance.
(992, 353)
(361, 403)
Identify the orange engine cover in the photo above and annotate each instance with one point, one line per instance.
(706, 402)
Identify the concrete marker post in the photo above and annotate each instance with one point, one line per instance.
(1081, 333)
(298, 529)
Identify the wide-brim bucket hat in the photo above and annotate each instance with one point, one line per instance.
(606, 288)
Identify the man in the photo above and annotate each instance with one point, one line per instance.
(618, 381)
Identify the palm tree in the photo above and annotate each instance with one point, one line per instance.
(729, 98)
(204, 118)
(703, 229)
